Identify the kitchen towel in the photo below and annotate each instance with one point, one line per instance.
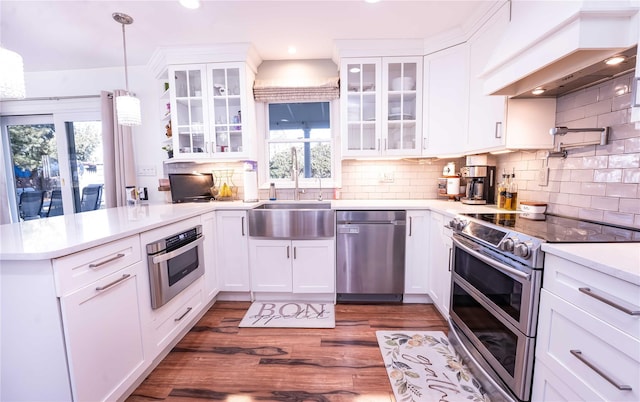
(289, 314)
(422, 366)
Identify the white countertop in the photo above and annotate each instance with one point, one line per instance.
(62, 235)
(621, 260)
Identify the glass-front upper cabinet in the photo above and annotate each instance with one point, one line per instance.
(362, 117)
(188, 112)
(381, 115)
(401, 80)
(226, 86)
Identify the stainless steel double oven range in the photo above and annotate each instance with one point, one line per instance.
(497, 270)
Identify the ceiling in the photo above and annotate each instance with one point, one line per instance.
(62, 34)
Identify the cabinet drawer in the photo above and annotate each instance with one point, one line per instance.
(586, 353)
(80, 269)
(177, 315)
(605, 298)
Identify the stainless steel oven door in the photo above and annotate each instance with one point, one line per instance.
(507, 287)
(507, 353)
(172, 272)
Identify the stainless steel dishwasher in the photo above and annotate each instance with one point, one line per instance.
(370, 249)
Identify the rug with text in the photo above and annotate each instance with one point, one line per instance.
(289, 314)
(422, 366)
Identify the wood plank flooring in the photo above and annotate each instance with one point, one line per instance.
(217, 360)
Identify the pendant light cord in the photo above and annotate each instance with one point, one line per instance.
(126, 70)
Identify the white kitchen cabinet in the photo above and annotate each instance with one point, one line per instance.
(211, 286)
(587, 342)
(486, 113)
(416, 278)
(103, 336)
(212, 111)
(381, 106)
(296, 266)
(439, 262)
(232, 251)
(446, 100)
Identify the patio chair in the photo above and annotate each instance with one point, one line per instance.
(55, 205)
(91, 197)
(31, 204)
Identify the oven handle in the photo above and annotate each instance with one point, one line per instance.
(172, 254)
(494, 263)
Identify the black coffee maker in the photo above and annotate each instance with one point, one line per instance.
(481, 184)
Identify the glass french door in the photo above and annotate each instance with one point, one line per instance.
(50, 161)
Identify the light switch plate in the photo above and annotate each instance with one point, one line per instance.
(146, 170)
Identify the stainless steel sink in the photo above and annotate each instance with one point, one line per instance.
(295, 205)
(294, 220)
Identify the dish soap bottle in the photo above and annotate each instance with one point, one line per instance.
(512, 194)
(272, 192)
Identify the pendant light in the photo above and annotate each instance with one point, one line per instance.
(127, 106)
(11, 75)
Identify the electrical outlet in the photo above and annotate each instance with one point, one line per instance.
(387, 177)
(146, 170)
(543, 176)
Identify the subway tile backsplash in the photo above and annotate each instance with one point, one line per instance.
(600, 183)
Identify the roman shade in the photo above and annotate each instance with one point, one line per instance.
(287, 91)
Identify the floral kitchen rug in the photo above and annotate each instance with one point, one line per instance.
(290, 314)
(422, 366)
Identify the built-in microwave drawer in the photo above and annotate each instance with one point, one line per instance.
(77, 270)
(609, 298)
(592, 358)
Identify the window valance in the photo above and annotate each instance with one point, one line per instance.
(305, 90)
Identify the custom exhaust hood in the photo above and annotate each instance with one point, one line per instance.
(564, 59)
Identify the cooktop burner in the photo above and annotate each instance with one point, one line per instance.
(558, 229)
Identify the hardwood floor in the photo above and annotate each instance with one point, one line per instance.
(217, 360)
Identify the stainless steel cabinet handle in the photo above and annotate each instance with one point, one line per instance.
(410, 225)
(578, 354)
(294, 253)
(171, 254)
(450, 253)
(498, 133)
(242, 225)
(288, 252)
(183, 315)
(603, 297)
(101, 263)
(117, 281)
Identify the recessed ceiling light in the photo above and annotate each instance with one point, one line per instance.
(612, 61)
(538, 91)
(371, 1)
(191, 4)
(292, 50)
(354, 70)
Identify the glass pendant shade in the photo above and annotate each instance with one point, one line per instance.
(11, 75)
(128, 110)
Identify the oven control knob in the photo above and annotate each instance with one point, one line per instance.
(461, 224)
(507, 244)
(522, 249)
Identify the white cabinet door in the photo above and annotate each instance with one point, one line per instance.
(211, 285)
(314, 266)
(402, 106)
(417, 253)
(232, 252)
(440, 249)
(103, 336)
(486, 113)
(270, 262)
(189, 112)
(446, 101)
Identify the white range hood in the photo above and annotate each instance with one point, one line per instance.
(565, 57)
